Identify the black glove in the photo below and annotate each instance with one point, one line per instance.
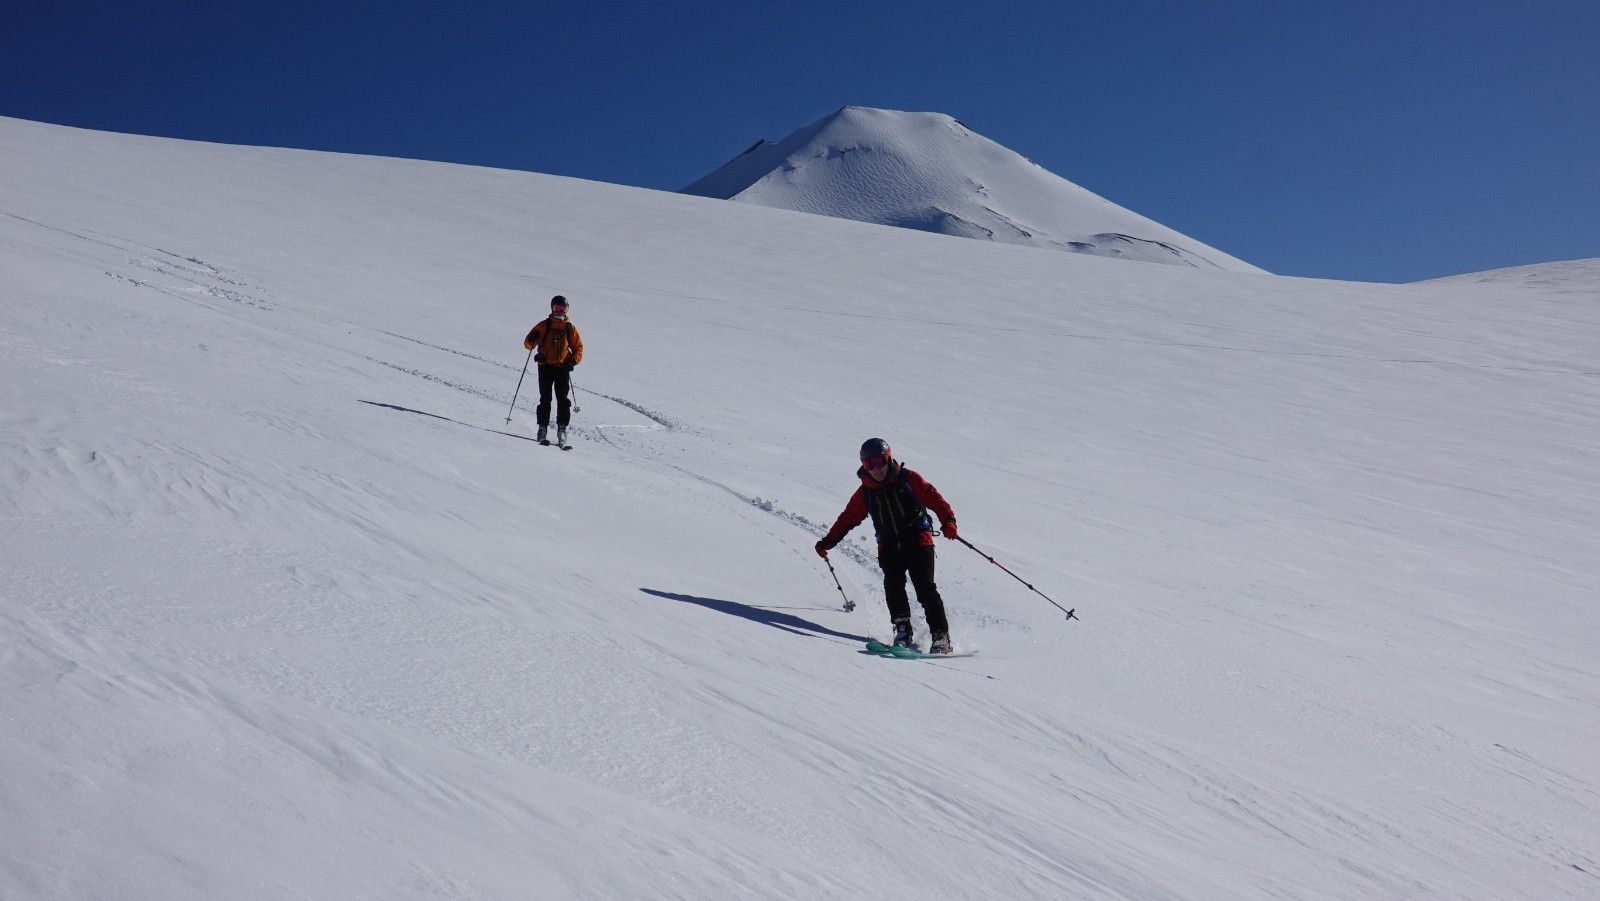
(823, 547)
(538, 356)
(569, 365)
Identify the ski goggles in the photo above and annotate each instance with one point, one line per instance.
(875, 461)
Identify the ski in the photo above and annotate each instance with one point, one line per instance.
(904, 653)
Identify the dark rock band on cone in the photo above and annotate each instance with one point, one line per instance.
(898, 500)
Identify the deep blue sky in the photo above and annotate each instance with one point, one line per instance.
(1363, 140)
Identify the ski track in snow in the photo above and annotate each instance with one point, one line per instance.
(194, 278)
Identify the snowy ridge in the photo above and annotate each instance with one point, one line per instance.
(929, 172)
(288, 610)
(1569, 277)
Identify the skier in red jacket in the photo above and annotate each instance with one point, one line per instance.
(899, 501)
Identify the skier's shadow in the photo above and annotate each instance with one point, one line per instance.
(469, 425)
(767, 616)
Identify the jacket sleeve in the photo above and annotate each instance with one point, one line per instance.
(574, 344)
(930, 497)
(533, 336)
(854, 513)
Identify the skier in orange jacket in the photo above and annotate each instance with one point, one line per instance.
(557, 349)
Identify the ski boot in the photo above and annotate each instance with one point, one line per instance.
(544, 435)
(561, 438)
(902, 633)
(940, 643)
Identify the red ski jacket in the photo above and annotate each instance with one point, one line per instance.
(898, 506)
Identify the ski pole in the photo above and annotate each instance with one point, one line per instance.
(574, 386)
(519, 387)
(849, 605)
(1013, 575)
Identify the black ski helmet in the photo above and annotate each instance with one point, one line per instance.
(872, 447)
(558, 301)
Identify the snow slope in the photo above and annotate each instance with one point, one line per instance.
(927, 171)
(289, 609)
(1576, 278)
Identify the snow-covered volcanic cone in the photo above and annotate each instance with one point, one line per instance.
(928, 171)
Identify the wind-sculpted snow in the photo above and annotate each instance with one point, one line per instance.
(288, 608)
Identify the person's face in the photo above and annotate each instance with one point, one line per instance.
(877, 466)
(558, 309)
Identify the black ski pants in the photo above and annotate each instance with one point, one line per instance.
(559, 380)
(916, 561)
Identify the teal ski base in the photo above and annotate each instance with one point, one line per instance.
(904, 653)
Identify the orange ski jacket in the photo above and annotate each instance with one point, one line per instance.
(557, 341)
